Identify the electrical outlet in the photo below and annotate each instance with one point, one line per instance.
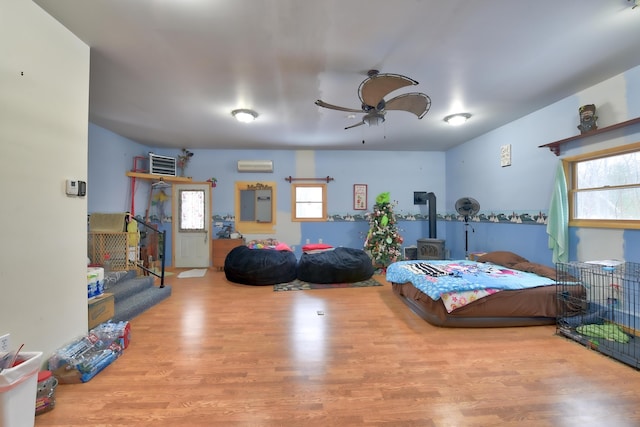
(5, 343)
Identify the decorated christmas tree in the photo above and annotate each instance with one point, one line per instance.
(383, 240)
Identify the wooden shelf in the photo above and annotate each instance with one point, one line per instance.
(555, 146)
(153, 177)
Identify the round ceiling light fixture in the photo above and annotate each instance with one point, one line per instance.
(244, 115)
(457, 119)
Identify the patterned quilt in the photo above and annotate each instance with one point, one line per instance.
(461, 281)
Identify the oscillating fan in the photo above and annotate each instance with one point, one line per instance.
(467, 207)
(372, 92)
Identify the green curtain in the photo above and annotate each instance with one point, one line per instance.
(558, 219)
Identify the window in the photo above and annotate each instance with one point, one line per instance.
(309, 202)
(604, 188)
(192, 210)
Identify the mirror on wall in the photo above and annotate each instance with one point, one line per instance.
(255, 203)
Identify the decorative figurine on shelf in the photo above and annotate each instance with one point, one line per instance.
(183, 160)
(225, 233)
(588, 118)
(212, 181)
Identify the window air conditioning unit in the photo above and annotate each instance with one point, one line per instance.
(255, 166)
(162, 165)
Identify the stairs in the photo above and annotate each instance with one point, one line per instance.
(133, 294)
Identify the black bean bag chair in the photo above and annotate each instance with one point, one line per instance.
(339, 265)
(260, 266)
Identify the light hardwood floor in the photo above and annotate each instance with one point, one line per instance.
(220, 354)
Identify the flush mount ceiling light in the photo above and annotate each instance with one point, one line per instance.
(457, 119)
(244, 115)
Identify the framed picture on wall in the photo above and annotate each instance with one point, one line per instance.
(360, 197)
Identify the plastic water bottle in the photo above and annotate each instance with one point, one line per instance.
(107, 263)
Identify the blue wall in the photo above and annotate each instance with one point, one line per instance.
(400, 173)
(525, 187)
(521, 191)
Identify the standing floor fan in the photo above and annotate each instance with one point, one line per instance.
(467, 207)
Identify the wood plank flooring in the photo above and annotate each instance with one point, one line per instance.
(221, 354)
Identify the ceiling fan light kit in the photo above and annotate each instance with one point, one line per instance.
(457, 119)
(372, 91)
(244, 115)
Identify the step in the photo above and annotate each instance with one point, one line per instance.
(140, 302)
(126, 288)
(113, 277)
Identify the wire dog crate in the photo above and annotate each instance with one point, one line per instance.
(608, 316)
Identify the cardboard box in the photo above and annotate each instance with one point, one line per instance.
(101, 309)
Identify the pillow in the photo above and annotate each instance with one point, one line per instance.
(315, 247)
(504, 258)
(539, 269)
(283, 247)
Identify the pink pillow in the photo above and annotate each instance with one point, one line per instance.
(316, 246)
(283, 247)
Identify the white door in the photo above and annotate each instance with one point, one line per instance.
(192, 225)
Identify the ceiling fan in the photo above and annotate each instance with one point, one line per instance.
(372, 91)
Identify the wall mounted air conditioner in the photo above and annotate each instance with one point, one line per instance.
(162, 165)
(255, 166)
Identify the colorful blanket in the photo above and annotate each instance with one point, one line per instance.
(436, 278)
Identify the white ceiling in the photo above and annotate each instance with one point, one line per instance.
(167, 73)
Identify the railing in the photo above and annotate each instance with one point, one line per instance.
(154, 244)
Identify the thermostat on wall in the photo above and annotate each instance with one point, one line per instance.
(76, 188)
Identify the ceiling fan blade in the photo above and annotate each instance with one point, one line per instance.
(373, 89)
(320, 103)
(356, 125)
(415, 102)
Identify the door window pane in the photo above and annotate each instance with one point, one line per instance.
(192, 210)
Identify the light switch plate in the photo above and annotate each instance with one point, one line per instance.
(5, 343)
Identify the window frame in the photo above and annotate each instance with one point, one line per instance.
(294, 203)
(570, 163)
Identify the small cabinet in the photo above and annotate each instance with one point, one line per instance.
(220, 248)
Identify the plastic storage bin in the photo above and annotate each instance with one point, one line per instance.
(18, 389)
